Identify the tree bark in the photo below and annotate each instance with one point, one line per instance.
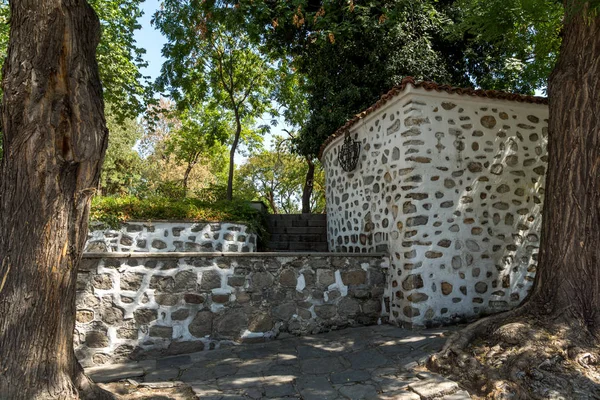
(308, 186)
(568, 279)
(236, 139)
(55, 138)
(271, 199)
(186, 176)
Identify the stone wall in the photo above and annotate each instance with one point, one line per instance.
(172, 236)
(132, 306)
(452, 185)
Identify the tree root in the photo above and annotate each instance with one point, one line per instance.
(88, 390)
(522, 355)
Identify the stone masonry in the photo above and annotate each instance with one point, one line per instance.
(133, 306)
(452, 186)
(172, 237)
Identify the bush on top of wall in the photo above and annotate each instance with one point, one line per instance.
(113, 211)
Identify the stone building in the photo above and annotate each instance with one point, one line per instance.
(450, 182)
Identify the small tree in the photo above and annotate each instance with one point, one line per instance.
(277, 177)
(200, 137)
(212, 59)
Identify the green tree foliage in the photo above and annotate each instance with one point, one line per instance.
(122, 168)
(277, 177)
(213, 60)
(119, 59)
(200, 137)
(351, 52)
(183, 151)
(522, 35)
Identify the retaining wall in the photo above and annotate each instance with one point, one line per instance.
(163, 236)
(132, 306)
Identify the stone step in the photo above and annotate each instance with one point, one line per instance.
(297, 220)
(298, 238)
(307, 230)
(297, 217)
(297, 246)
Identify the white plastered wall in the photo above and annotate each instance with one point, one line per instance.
(452, 185)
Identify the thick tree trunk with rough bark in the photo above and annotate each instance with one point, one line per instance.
(55, 138)
(564, 305)
(568, 277)
(308, 186)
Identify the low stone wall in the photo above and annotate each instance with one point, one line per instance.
(172, 236)
(132, 306)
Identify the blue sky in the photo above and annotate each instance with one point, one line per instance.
(150, 39)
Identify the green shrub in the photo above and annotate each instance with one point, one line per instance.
(112, 211)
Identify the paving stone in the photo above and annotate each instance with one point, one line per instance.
(254, 393)
(277, 369)
(197, 374)
(396, 349)
(240, 381)
(258, 352)
(115, 372)
(161, 385)
(351, 375)
(367, 363)
(206, 392)
(305, 352)
(222, 370)
(312, 387)
(359, 391)
(280, 390)
(178, 361)
(232, 396)
(322, 365)
(387, 371)
(280, 378)
(367, 359)
(162, 375)
(389, 384)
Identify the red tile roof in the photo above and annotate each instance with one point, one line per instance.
(429, 86)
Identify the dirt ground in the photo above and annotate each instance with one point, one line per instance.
(524, 358)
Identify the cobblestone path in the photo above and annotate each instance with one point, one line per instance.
(377, 362)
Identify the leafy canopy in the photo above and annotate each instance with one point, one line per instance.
(123, 167)
(276, 178)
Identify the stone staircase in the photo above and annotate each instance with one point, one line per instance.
(297, 232)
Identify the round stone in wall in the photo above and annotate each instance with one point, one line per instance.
(488, 121)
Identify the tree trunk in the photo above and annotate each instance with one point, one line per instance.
(308, 186)
(186, 177)
(55, 138)
(568, 278)
(238, 131)
(271, 200)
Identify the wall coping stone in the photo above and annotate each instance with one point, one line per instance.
(218, 254)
